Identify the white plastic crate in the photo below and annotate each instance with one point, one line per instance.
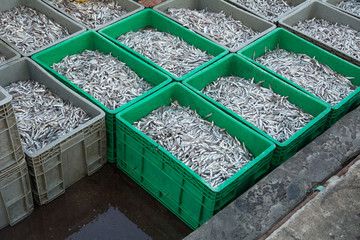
(10, 146)
(16, 201)
(71, 157)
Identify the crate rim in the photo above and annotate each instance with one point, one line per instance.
(100, 115)
(281, 30)
(239, 118)
(94, 34)
(223, 185)
(151, 11)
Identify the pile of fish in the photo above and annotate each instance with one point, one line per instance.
(267, 110)
(41, 115)
(315, 77)
(103, 76)
(169, 52)
(29, 29)
(270, 9)
(224, 29)
(352, 6)
(92, 13)
(207, 149)
(339, 36)
(2, 58)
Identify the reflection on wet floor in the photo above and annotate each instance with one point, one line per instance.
(106, 205)
(112, 222)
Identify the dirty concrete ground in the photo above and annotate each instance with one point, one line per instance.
(106, 205)
(334, 213)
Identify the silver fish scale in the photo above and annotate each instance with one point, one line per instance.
(270, 112)
(352, 6)
(91, 13)
(269, 8)
(103, 76)
(29, 29)
(339, 36)
(41, 115)
(169, 52)
(315, 77)
(208, 150)
(224, 29)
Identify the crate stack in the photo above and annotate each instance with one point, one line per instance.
(71, 156)
(226, 39)
(16, 201)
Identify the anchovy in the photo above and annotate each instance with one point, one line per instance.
(224, 29)
(337, 35)
(315, 77)
(42, 116)
(29, 29)
(267, 110)
(91, 13)
(352, 6)
(209, 151)
(103, 76)
(169, 52)
(270, 9)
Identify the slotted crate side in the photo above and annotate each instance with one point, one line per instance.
(10, 145)
(234, 65)
(255, 23)
(9, 53)
(168, 179)
(320, 10)
(130, 6)
(16, 202)
(297, 3)
(150, 18)
(72, 156)
(55, 170)
(91, 40)
(290, 42)
(38, 5)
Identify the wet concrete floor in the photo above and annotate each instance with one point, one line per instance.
(106, 205)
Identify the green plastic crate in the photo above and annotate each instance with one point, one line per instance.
(290, 42)
(91, 40)
(234, 65)
(169, 180)
(150, 18)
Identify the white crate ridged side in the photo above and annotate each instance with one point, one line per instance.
(16, 201)
(66, 163)
(11, 151)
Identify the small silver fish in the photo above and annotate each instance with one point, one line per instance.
(169, 52)
(29, 29)
(208, 150)
(339, 36)
(270, 9)
(103, 76)
(315, 77)
(352, 6)
(42, 116)
(91, 13)
(224, 29)
(267, 110)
